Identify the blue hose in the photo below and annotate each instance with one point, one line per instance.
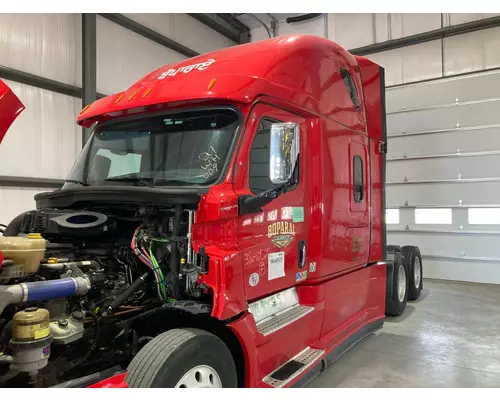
(47, 290)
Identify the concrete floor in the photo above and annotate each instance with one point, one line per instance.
(450, 337)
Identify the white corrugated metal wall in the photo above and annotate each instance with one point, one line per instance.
(443, 188)
(45, 140)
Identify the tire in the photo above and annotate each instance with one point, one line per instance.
(393, 248)
(397, 276)
(166, 359)
(415, 271)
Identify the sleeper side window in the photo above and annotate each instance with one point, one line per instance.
(350, 86)
(358, 184)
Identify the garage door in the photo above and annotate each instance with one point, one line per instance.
(443, 174)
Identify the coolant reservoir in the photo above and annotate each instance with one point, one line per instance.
(26, 252)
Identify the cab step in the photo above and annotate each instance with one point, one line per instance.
(293, 368)
(277, 311)
(282, 319)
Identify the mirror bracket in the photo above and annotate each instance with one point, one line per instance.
(253, 204)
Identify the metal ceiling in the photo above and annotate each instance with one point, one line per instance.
(250, 20)
(237, 27)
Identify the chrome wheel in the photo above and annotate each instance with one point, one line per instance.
(417, 272)
(401, 283)
(200, 377)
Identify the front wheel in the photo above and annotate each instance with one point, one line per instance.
(183, 358)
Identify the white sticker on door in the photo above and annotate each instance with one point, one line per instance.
(276, 265)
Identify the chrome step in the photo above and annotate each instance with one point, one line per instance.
(283, 318)
(306, 357)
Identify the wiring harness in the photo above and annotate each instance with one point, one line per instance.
(148, 258)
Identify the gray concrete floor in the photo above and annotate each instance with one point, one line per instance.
(450, 337)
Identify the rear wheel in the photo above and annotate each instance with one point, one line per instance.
(397, 293)
(183, 358)
(414, 267)
(391, 248)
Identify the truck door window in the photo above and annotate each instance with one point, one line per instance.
(351, 88)
(259, 158)
(358, 184)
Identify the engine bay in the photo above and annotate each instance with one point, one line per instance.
(74, 283)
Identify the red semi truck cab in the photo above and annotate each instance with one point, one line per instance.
(289, 175)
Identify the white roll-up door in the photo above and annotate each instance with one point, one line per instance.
(443, 174)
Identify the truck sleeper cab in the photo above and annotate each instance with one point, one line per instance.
(263, 168)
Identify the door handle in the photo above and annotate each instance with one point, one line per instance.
(302, 253)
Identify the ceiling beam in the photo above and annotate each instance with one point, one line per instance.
(214, 22)
(233, 21)
(41, 82)
(150, 34)
(428, 36)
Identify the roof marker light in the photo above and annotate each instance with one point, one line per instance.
(132, 96)
(119, 98)
(147, 92)
(85, 108)
(211, 84)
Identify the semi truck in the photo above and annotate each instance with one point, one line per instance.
(224, 226)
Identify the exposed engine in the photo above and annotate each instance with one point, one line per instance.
(73, 280)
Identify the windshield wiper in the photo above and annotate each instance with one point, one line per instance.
(134, 179)
(77, 181)
(172, 181)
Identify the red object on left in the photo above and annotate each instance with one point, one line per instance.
(116, 381)
(10, 108)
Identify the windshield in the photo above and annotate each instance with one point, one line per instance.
(188, 148)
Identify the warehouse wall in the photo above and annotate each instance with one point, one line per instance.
(124, 56)
(356, 30)
(45, 140)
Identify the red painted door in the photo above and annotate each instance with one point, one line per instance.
(357, 233)
(274, 241)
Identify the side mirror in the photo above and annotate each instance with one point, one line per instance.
(284, 151)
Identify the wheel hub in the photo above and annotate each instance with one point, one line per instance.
(401, 283)
(200, 377)
(417, 272)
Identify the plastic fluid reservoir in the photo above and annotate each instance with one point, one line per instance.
(31, 340)
(30, 324)
(26, 251)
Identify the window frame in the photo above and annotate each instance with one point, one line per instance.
(351, 88)
(397, 212)
(435, 219)
(493, 220)
(165, 113)
(362, 172)
(273, 121)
